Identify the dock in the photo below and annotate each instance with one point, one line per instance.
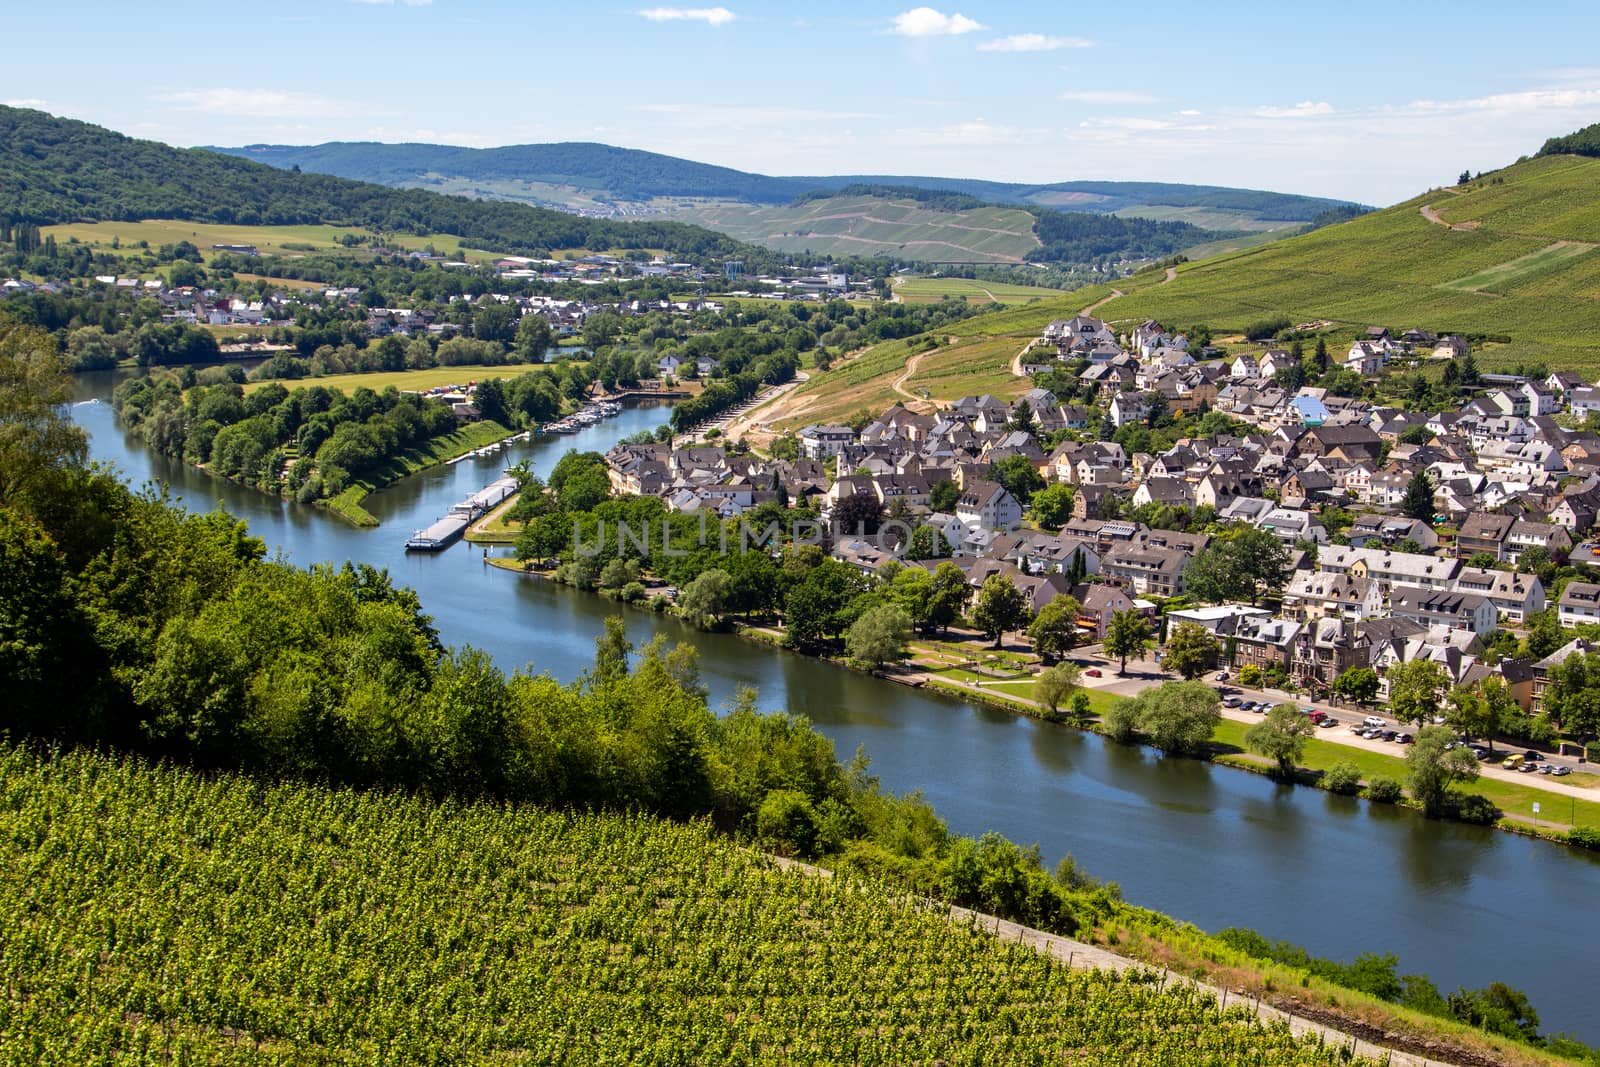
(486, 498)
(440, 536)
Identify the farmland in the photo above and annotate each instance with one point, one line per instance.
(872, 226)
(158, 915)
(415, 381)
(270, 240)
(933, 290)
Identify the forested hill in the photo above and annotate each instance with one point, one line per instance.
(1585, 142)
(55, 170)
(588, 175)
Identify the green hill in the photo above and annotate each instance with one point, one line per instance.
(1510, 256)
(55, 170)
(155, 915)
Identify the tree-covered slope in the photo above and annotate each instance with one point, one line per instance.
(154, 915)
(540, 171)
(1584, 142)
(55, 170)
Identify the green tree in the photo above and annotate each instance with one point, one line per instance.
(948, 597)
(703, 601)
(1019, 476)
(1414, 690)
(1000, 608)
(1056, 685)
(1262, 561)
(1213, 575)
(1127, 635)
(944, 496)
(1052, 505)
(492, 321)
(1418, 502)
(1359, 684)
(1432, 767)
(1179, 716)
(927, 542)
(1281, 736)
(1191, 650)
(38, 442)
(1055, 629)
(1545, 634)
(534, 338)
(879, 636)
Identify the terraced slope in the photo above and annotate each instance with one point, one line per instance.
(153, 915)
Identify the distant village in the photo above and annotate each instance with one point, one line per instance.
(1507, 477)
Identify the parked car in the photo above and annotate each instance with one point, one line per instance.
(1372, 733)
(1092, 672)
(1561, 772)
(1527, 767)
(1546, 768)
(1309, 711)
(1316, 716)
(1373, 720)
(1483, 754)
(1404, 739)
(1532, 755)
(1231, 702)
(1222, 676)
(1327, 721)
(1359, 727)
(1389, 735)
(1511, 763)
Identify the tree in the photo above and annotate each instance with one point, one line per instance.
(1262, 561)
(491, 400)
(1414, 690)
(1191, 650)
(879, 636)
(1432, 767)
(1469, 713)
(534, 338)
(948, 597)
(1483, 560)
(38, 442)
(1056, 685)
(1019, 476)
(1280, 736)
(944, 495)
(1213, 575)
(492, 321)
(858, 513)
(1359, 684)
(1127, 635)
(1418, 503)
(1545, 634)
(1055, 629)
(703, 601)
(927, 542)
(1022, 418)
(1000, 608)
(1052, 505)
(1178, 716)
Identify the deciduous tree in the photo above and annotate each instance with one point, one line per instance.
(1281, 736)
(1191, 650)
(1127, 635)
(1000, 608)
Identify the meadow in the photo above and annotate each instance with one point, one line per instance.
(158, 915)
(933, 290)
(269, 240)
(415, 381)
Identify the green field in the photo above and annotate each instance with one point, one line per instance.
(153, 915)
(933, 290)
(270, 240)
(1398, 269)
(873, 226)
(415, 381)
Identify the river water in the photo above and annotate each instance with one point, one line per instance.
(1214, 846)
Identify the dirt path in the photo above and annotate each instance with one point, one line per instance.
(1103, 300)
(1172, 275)
(1432, 216)
(899, 384)
(1016, 360)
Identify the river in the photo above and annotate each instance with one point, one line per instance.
(1217, 847)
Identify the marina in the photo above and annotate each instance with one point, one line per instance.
(585, 417)
(448, 530)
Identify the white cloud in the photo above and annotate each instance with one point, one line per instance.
(708, 115)
(1302, 110)
(30, 102)
(714, 16)
(1106, 96)
(926, 22)
(1189, 112)
(258, 103)
(1514, 103)
(1033, 42)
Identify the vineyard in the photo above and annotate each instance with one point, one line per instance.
(156, 915)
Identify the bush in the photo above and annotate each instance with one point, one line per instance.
(631, 593)
(1584, 837)
(787, 822)
(1343, 778)
(1121, 721)
(1384, 790)
(1250, 675)
(1478, 809)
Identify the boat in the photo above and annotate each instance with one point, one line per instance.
(438, 537)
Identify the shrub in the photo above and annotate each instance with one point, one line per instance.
(1478, 809)
(1384, 790)
(1343, 778)
(1250, 675)
(1121, 720)
(787, 822)
(1584, 837)
(631, 593)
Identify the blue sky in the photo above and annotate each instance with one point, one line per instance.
(1369, 101)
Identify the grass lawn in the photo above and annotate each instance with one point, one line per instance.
(404, 380)
(493, 529)
(440, 449)
(1514, 799)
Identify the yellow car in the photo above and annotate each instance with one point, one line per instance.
(1511, 763)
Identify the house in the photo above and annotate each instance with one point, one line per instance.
(821, 442)
(1515, 596)
(1098, 605)
(1484, 533)
(1385, 531)
(1526, 534)
(1354, 443)
(1325, 649)
(1145, 569)
(1389, 569)
(1129, 407)
(1264, 641)
(1451, 347)
(1453, 611)
(986, 505)
(1365, 359)
(1579, 604)
(1171, 491)
(1313, 595)
(1577, 511)
(1541, 670)
(1220, 620)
